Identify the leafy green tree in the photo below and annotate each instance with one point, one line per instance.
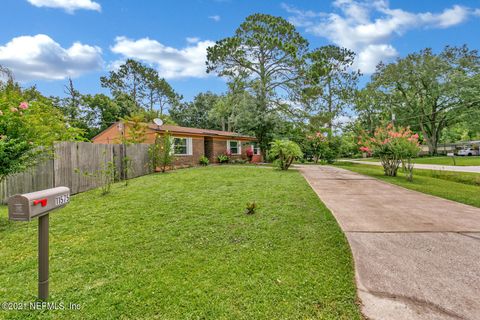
(137, 87)
(266, 55)
(159, 92)
(100, 112)
(29, 125)
(196, 114)
(371, 107)
(233, 112)
(284, 152)
(135, 129)
(431, 91)
(330, 83)
(128, 80)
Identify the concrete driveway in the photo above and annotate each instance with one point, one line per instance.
(416, 256)
(473, 169)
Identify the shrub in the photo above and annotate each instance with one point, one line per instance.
(284, 152)
(161, 153)
(394, 147)
(323, 146)
(204, 161)
(223, 158)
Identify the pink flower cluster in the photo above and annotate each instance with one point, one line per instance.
(386, 137)
(23, 106)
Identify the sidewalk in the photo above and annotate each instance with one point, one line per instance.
(474, 169)
(416, 256)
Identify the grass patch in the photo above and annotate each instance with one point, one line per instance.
(456, 186)
(179, 246)
(446, 161)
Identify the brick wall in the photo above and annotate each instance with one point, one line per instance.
(219, 147)
(198, 151)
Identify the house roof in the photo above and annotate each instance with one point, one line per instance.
(198, 131)
(184, 131)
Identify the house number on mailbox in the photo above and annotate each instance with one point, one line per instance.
(63, 199)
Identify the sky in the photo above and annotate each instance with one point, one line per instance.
(44, 42)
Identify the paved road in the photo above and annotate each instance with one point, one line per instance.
(416, 256)
(474, 169)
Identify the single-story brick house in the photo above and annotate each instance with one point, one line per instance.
(190, 144)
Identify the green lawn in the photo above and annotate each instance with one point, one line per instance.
(456, 186)
(447, 161)
(179, 246)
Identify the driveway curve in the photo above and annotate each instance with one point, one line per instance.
(416, 256)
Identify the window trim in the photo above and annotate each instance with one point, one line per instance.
(256, 148)
(239, 147)
(188, 141)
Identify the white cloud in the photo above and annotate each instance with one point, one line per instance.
(68, 5)
(40, 57)
(368, 26)
(477, 12)
(215, 18)
(370, 55)
(170, 62)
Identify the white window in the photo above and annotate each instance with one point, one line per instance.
(234, 147)
(182, 146)
(256, 148)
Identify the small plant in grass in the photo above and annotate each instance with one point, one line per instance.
(223, 158)
(204, 161)
(251, 207)
(394, 147)
(284, 152)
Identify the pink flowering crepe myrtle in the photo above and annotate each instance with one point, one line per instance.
(394, 146)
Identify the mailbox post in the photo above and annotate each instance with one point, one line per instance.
(25, 207)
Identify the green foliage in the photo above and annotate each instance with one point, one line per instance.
(429, 91)
(154, 156)
(394, 146)
(285, 152)
(165, 150)
(137, 84)
(161, 153)
(204, 161)
(134, 129)
(238, 161)
(223, 158)
(196, 114)
(330, 83)
(323, 146)
(265, 56)
(29, 125)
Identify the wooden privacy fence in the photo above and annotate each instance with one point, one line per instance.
(71, 160)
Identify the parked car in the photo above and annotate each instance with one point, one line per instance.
(468, 152)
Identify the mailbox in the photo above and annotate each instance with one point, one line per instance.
(24, 207)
